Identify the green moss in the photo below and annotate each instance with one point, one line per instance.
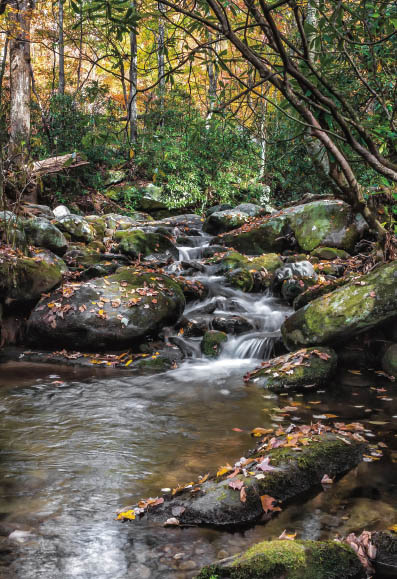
(241, 279)
(26, 279)
(329, 253)
(348, 310)
(211, 344)
(135, 242)
(290, 560)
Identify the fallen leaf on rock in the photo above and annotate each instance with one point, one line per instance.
(264, 465)
(224, 469)
(268, 504)
(326, 480)
(260, 431)
(126, 515)
(236, 484)
(243, 495)
(178, 511)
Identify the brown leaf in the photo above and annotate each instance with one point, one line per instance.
(268, 504)
(243, 495)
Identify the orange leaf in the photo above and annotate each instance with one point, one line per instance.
(268, 504)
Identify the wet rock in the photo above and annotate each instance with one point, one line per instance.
(232, 324)
(113, 312)
(292, 288)
(78, 228)
(25, 278)
(306, 368)
(212, 342)
(386, 553)
(389, 360)
(192, 328)
(297, 270)
(136, 243)
(241, 279)
(217, 504)
(192, 289)
(330, 253)
(270, 235)
(365, 514)
(289, 560)
(42, 233)
(345, 312)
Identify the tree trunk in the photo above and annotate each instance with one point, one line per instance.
(212, 78)
(61, 83)
(132, 104)
(3, 63)
(161, 60)
(20, 81)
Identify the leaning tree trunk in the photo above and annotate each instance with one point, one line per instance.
(20, 81)
(212, 72)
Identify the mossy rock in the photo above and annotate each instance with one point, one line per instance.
(136, 242)
(268, 261)
(308, 367)
(330, 253)
(241, 279)
(153, 364)
(49, 257)
(219, 505)
(268, 236)
(211, 345)
(289, 560)
(389, 360)
(292, 288)
(113, 312)
(98, 223)
(316, 291)
(77, 227)
(25, 279)
(42, 233)
(347, 311)
(81, 256)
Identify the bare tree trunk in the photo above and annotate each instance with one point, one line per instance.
(132, 104)
(212, 79)
(161, 60)
(262, 137)
(20, 81)
(61, 83)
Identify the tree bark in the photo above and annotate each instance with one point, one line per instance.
(161, 60)
(212, 78)
(20, 81)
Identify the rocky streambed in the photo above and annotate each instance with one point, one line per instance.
(159, 322)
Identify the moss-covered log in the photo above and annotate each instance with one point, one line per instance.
(289, 560)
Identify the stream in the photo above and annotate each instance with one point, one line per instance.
(79, 444)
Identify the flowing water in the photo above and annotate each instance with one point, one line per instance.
(77, 445)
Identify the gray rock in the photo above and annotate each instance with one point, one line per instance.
(60, 211)
(42, 233)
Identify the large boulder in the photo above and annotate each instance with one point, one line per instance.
(345, 312)
(24, 279)
(136, 242)
(328, 222)
(306, 368)
(42, 233)
(112, 312)
(77, 227)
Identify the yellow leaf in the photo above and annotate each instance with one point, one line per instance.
(132, 154)
(100, 312)
(393, 528)
(128, 363)
(126, 515)
(224, 469)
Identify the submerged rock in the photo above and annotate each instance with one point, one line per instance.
(232, 324)
(389, 360)
(289, 560)
(345, 312)
(306, 368)
(111, 312)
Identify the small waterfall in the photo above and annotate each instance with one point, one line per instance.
(262, 311)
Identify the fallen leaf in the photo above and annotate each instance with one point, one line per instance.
(326, 480)
(172, 522)
(224, 469)
(236, 484)
(268, 504)
(130, 515)
(288, 537)
(243, 495)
